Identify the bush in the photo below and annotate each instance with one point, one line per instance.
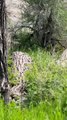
(45, 80)
(23, 41)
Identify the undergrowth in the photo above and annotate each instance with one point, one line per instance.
(46, 87)
(45, 79)
(44, 111)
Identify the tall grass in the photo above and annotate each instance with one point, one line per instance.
(46, 85)
(44, 111)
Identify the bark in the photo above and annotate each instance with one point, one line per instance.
(3, 53)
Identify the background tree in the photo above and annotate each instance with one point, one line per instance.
(46, 21)
(44, 17)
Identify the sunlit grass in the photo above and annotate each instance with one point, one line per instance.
(45, 81)
(44, 111)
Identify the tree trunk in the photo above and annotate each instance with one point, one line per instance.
(3, 53)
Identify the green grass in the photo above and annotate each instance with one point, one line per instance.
(45, 81)
(44, 111)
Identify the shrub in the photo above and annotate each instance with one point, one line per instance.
(45, 80)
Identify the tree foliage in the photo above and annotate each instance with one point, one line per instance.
(45, 20)
(44, 17)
